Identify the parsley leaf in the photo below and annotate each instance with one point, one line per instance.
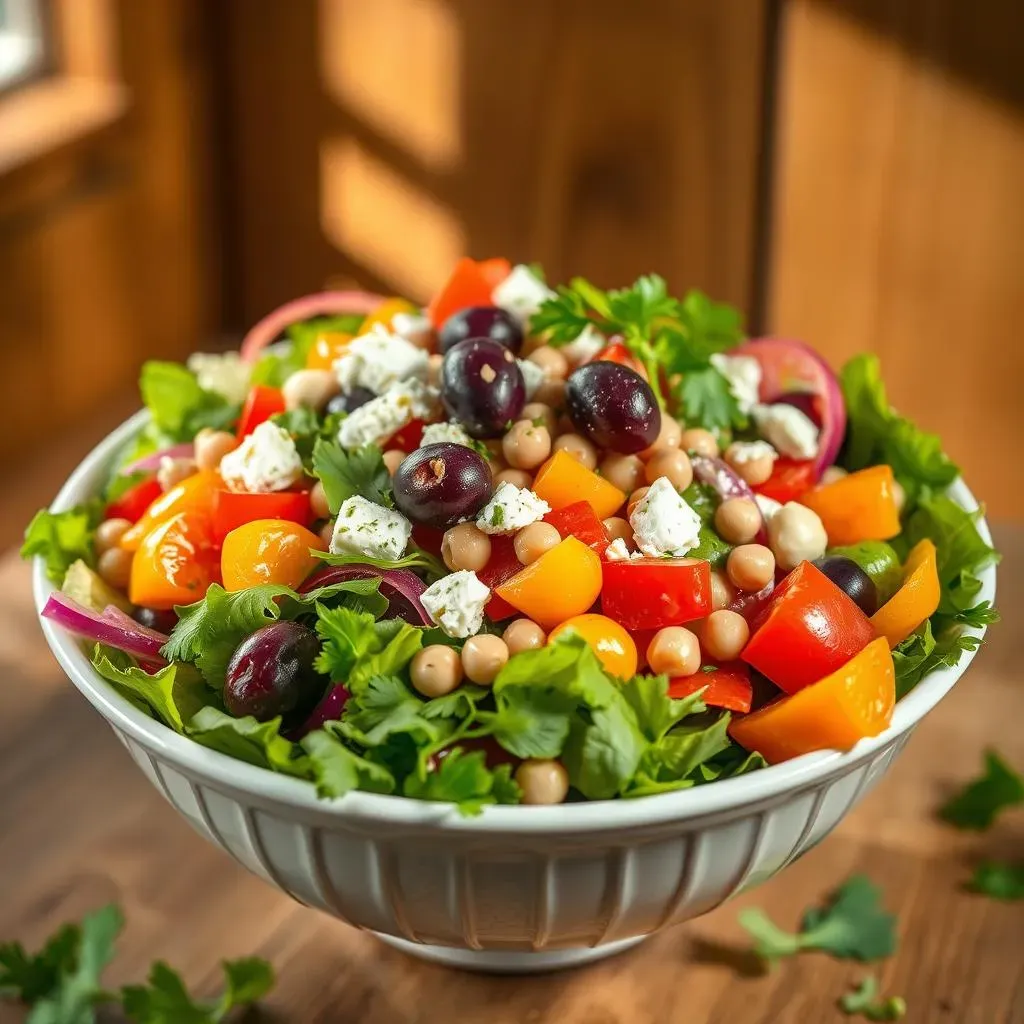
(705, 398)
(864, 1000)
(258, 743)
(922, 652)
(850, 926)
(30, 977)
(345, 474)
(337, 770)
(385, 706)
(1000, 881)
(977, 806)
(179, 407)
(356, 647)
(62, 538)
(464, 779)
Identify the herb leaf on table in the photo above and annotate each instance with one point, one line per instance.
(864, 1000)
(977, 806)
(999, 881)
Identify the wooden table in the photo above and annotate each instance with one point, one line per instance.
(80, 826)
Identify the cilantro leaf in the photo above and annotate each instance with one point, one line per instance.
(977, 806)
(345, 474)
(276, 364)
(671, 763)
(30, 977)
(464, 779)
(337, 770)
(1000, 881)
(922, 652)
(533, 721)
(179, 407)
(356, 647)
(62, 538)
(385, 706)
(258, 743)
(864, 1001)
(655, 711)
(850, 926)
(729, 763)
(563, 318)
(173, 695)
(704, 397)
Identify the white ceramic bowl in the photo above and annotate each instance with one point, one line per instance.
(517, 888)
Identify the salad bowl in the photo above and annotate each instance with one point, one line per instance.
(515, 888)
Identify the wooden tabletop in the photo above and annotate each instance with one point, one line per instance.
(80, 826)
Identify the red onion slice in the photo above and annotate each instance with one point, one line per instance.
(401, 588)
(151, 463)
(727, 483)
(126, 635)
(115, 614)
(328, 710)
(749, 604)
(319, 304)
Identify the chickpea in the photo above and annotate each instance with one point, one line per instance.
(516, 477)
(173, 471)
(393, 458)
(669, 435)
(327, 534)
(318, 501)
(634, 499)
(115, 567)
(535, 540)
(551, 393)
(795, 534)
(211, 446)
(435, 671)
(750, 566)
(109, 533)
(313, 388)
(700, 441)
(483, 657)
(624, 471)
(434, 369)
(579, 448)
(619, 529)
(526, 446)
(524, 635)
(551, 361)
(738, 520)
(753, 462)
(722, 591)
(725, 635)
(673, 463)
(536, 412)
(465, 546)
(542, 782)
(833, 474)
(674, 651)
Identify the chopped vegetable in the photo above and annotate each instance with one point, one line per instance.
(859, 507)
(648, 593)
(915, 601)
(1000, 881)
(62, 538)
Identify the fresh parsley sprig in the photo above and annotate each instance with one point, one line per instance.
(864, 1000)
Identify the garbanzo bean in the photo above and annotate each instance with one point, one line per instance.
(435, 671)
(465, 546)
(542, 782)
(738, 520)
(750, 566)
(524, 635)
(526, 446)
(672, 463)
(674, 651)
(725, 635)
(483, 657)
(535, 540)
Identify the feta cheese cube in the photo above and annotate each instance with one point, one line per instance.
(663, 523)
(452, 432)
(742, 452)
(387, 414)
(533, 377)
(744, 376)
(510, 509)
(618, 552)
(456, 603)
(222, 373)
(266, 460)
(378, 360)
(521, 293)
(789, 429)
(414, 327)
(365, 528)
(585, 347)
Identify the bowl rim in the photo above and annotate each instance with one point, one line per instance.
(771, 783)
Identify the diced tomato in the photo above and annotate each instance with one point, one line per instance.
(726, 687)
(806, 631)
(790, 478)
(262, 403)
(580, 521)
(470, 284)
(233, 509)
(616, 352)
(501, 566)
(408, 438)
(134, 502)
(648, 593)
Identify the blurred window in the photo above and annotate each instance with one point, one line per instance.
(22, 41)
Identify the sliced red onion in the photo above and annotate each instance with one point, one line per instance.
(319, 304)
(727, 483)
(117, 615)
(152, 462)
(749, 604)
(328, 710)
(401, 588)
(126, 635)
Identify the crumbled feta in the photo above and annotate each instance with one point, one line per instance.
(533, 376)
(388, 413)
(663, 523)
(618, 552)
(379, 359)
(224, 374)
(439, 433)
(521, 293)
(585, 347)
(456, 603)
(365, 528)
(788, 428)
(768, 506)
(744, 376)
(510, 509)
(266, 460)
(414, 327)
(742, 452)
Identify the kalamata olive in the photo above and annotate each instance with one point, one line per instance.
(439, 484)
(163, 621)
(349, 403)
(480, 322)
(613, 406)
(271, 673)
(849, 577)
(482, 386)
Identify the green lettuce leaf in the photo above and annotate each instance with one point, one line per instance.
(337, 770)
(464, 779)
(258, 743)
(179, 407)
(62, 538)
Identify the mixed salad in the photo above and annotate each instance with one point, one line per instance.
(525, 545)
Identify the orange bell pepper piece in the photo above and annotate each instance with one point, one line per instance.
(195, 494)
(614, 647)
(268, 551)
(861, 506)
(385, 313)
(563, 481)
(329, 345)
(175, 563)
(471, 284)
(563, 582)
(852, 703)
(917, 598)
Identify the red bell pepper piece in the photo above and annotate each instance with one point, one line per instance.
(579, 520)
(262, 403)
(501, 567)
(495, 270)
(790, 478)
(807, 630)
(726, 687)
(470, 284)
(616, 352)
(134, 502)
(232, 509)
(408, 438)
(648, 593)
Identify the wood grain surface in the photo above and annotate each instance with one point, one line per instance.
(81, 827)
